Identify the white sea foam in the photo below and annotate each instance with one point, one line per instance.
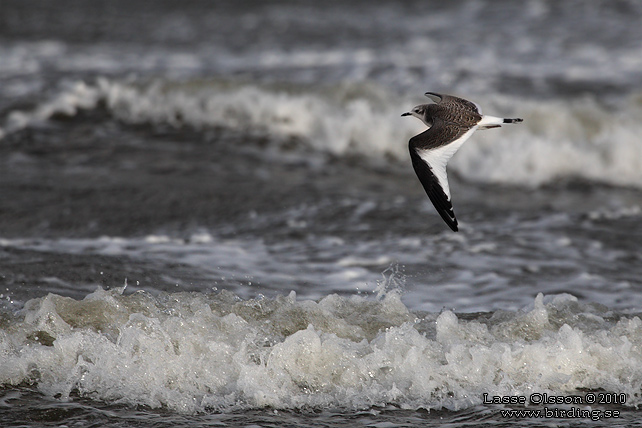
(579, 138)
(194, 352)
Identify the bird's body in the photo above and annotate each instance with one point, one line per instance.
(451, 122)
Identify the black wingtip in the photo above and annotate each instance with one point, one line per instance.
(444, 207)
(516, 120)
(451, 222)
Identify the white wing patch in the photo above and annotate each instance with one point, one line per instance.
(438, 158)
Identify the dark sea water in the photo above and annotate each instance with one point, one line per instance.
(208, 215)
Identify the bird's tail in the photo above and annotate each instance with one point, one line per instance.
(516, 120)
(489, 122)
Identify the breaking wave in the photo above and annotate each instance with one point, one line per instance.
(580, 138)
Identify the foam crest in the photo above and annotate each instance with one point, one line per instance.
(68, 102)
(193, 352)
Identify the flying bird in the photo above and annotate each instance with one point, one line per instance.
(451, 122)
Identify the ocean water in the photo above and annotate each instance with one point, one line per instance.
(208, 215)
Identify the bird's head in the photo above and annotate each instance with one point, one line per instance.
(421, 113)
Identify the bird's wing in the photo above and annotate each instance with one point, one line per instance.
(430, 152)
(454, 102)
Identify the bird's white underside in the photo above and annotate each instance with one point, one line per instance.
(439, 157)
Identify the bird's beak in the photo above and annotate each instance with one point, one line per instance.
(407, 114)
